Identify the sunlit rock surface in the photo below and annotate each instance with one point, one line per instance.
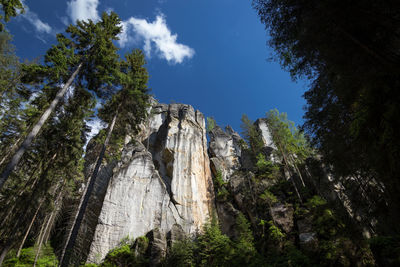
(163, 179)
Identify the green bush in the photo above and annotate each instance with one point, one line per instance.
(47, 258)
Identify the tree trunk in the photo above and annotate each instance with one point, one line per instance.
(4, 252)
(288, 169)
(298, 171)
(35, 130)
(29, 229)
(14, 146)
(39, 245)
(66, 253)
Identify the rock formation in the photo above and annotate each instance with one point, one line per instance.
(162, 186)
(163, 179)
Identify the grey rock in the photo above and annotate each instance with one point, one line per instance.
(282, 215)
(163, 179)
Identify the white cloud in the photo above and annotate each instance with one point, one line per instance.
(156, 34)
(33, 18)
(83, 10)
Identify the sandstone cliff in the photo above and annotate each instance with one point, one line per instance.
(162, 180)
(162, 187)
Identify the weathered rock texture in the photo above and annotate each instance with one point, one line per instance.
(163, 179)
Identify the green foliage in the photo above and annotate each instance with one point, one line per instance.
(269, 197)
(275, 234)
(211, 123)
(47, 258)
(245, 250)
(10, 9)
(252, 136)
(290, 141)
(128, 253)
(348, 52)
(214, 248)
(182, 254)
(220, 187)
(266, 168)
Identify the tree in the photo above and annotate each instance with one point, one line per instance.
(89, 56)
(50, 171)
(10, 9)
(12, 95)
(292, 146)
(125, 111)
(350, 53)
(253, 137)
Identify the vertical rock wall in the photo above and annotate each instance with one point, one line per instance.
(163, 179)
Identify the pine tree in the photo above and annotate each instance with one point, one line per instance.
(291, 143)
(10, 9)
(89, 58)
(124, 111)
(56, 165)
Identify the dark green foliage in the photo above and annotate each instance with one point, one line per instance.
(245, 250)
(130, 103)
(214, 248)
(386, 250)
(349, 50)
(252, 136)
(220, 187)
(10, 8)
(182, 254)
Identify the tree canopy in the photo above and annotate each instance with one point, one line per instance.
(349, 50)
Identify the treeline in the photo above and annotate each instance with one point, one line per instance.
(45, 110)
(349, 52)
(278, 219)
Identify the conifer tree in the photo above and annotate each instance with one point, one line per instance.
(10, 9)
(87, 57)
(124, 112)
(56, 164)
(291, 143)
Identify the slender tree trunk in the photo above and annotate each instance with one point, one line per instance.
(67, 251)
(35, 130)
(29, 228)
(11, 150)
(4, 252)
(288, 169)
(39, 245)
(298, 171)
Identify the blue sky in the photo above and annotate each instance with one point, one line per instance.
(211, 54)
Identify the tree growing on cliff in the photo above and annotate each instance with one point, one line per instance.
(124, 112)
(291, 144)
(87, 58)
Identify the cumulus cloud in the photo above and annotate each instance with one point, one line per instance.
(33, 18)
(83, 10)
(155, 34)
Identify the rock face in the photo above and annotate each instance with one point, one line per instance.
(225, 151)
(162, 180)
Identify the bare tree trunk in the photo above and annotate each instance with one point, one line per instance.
(4, 252)
(69, 245)
(298, 171)
(11, 150)
(29, 228)
(291, 175)
(35, 130)
(39, 245)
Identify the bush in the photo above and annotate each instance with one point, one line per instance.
(27, 258)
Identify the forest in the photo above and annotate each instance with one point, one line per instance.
(324, 193)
